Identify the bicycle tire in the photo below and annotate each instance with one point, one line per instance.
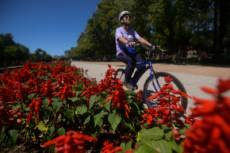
(146, 93)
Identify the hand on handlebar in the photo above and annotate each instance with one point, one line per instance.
(132, 44)
(153, 47)
(156, 48)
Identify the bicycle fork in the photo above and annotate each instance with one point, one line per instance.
(154, 79)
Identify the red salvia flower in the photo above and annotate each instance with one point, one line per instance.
(114, 88)
(168, 110)
(35, 105)
(108, 147)
(210, 133)
(65, 92)
(71, 142)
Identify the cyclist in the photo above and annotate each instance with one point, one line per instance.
(126, 38)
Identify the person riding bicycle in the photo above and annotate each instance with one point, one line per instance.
(126, 39)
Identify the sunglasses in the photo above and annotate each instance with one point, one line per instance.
(127, 16)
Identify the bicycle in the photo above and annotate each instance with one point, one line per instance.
(154, 81)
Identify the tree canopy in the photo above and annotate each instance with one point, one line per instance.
(12, 53)
(173, 24)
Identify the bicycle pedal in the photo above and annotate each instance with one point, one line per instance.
(151, 104)
(125, 88)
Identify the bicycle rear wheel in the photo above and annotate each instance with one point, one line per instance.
(151, 85)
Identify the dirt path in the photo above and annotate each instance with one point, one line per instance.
(189, 69)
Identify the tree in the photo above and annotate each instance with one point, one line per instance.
(221, 24)
(12, 53)
(41, 55)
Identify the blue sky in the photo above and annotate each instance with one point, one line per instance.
(53, 25)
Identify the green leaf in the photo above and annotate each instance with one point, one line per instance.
(51, 130)
(56, 104)
(150, 134)
(13, 136)
(15, 106)
(129, 125)
(87, 120)
(80, 86)
(92, 100)
(162, 146)
(45, 103)
(61, 131)
(137, 107)
(2, 134)
(182, 131)
(145, 149)
(168, 135)
(98, 119)
(82, 109)
(69, 114)
(165, 128)
(74, 99)
(24, 107)
(126, 146)
(107, 106)
(30, 96)
(42, 127)
(114, 120)
(174, 146)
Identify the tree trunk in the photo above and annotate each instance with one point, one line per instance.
(219, 21)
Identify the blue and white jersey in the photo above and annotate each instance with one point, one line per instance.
(129, 35)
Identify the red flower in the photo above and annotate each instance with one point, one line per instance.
(210, 132)
(176, 135)
(65, 92)
(29, 117)
(168, 110)
(168, 79)
(109, 147)
(129, 151)
(114, 88)
(35, 105)
(71, 142)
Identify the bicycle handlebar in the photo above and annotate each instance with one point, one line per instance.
(150, 51)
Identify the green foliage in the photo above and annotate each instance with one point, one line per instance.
(12, 53)
(13, 136)
(157, 140)
(42, 127)
(151, 134)
(40, 55)
(114, 120)
(61, 131)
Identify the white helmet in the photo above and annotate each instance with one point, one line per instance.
(123, 13)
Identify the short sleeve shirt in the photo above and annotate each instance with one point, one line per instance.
(129, 35)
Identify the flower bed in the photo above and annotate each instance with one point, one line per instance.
(48, 107)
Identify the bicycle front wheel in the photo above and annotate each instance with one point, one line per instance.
(120, 74)
(153, 85)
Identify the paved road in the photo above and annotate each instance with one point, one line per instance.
(192, 77)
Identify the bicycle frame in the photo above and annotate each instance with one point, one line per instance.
(152, 73)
